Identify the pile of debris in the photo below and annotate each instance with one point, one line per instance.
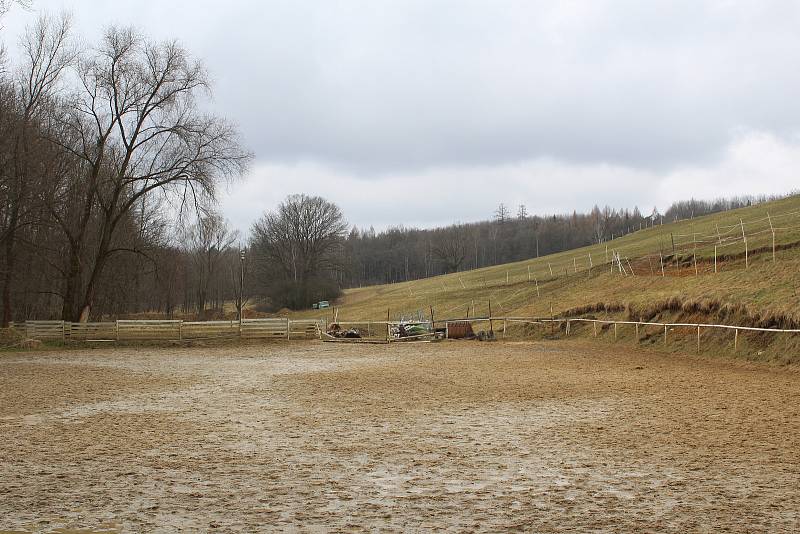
(335, 330)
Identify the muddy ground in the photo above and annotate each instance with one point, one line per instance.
(535, 437)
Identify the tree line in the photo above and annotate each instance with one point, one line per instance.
(400, 254)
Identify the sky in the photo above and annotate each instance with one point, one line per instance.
(428, 112)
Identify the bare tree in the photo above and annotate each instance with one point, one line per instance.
(451, 247)
(209, 242)
(136, 130)
(47, 54)
(522, 212)
(501, 214)
(298, 247)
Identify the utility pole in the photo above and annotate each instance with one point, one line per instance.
(241, 285)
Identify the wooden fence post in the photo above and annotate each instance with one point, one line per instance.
(537, 286)
(288, 328)
(772, 229)
(715, 258)
(594, 328)
(744, 238)
(665, 334)
(735, 339)
(661, 258)
(698, 338)
(615, 331)
(491, 326)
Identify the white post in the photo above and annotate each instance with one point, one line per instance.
(537, 287)
(715, 258)
(551, 268)
(772, 229)
(744, 238)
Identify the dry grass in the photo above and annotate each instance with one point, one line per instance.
(765, 294)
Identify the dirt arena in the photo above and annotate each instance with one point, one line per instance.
(534, 437)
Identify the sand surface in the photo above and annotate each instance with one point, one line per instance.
(534, 437)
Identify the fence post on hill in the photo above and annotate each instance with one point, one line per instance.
(744, 238)
(594, 328)
(116, 329)
(551, 268)
(615, 331)
(529, 273)
(288, 329)
(694, 252)
(575, 264)
(637, 332)
(715, 258)
(735, 339)
(661, 258)
(506, 277)
(387, 324)
(772, 229)
(606, 253)
(536, 281)
(698, 338)
(665, 334)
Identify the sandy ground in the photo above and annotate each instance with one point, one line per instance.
(535, 437)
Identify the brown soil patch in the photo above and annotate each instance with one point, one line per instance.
(462, 436)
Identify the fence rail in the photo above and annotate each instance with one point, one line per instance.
(170, 330)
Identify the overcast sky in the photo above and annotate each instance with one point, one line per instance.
(430, 112)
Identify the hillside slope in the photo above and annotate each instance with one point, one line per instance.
(585, 276)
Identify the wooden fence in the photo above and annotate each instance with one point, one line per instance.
(170, 330)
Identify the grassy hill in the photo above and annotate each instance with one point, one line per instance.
(750, 287)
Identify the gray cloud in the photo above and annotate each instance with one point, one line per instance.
(365, 90)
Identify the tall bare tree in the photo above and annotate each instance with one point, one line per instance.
(136, 130)
(297, 248)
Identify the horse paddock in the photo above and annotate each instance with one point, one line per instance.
(535, 436)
